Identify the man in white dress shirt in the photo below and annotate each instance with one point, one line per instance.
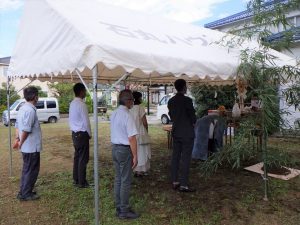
(124, 153)
(81, 134)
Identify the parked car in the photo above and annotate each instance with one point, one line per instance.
(47, 111)
(102, 107)
(162, 109)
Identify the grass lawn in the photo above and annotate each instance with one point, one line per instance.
(230, 197)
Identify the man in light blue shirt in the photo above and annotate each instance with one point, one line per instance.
(29, 141)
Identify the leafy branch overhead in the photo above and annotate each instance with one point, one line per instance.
(265, 75)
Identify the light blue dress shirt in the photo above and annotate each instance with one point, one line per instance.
(27, 121)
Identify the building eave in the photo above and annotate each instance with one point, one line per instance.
(239, 16)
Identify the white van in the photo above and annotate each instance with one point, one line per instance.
(47, 111)
(162, 109)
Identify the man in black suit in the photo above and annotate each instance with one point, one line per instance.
(182, 113)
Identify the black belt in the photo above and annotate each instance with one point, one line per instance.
(78, 132)
(122, 145)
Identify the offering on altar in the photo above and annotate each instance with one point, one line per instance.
(222, 110)
(236, 111)
(241, 86)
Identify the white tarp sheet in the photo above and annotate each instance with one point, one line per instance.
(57, 36)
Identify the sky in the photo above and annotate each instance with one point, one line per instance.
(198, 12)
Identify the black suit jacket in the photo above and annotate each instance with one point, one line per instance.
(182, 113)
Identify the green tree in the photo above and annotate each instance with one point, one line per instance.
(264, 75)
(41, 92)
(89, 103)
(211, 97)
(64, 93)
(3, 96)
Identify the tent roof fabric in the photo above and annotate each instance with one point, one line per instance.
(56, 37)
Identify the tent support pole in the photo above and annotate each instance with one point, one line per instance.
(22, 88)
(265, 175)
(9, 125)
(96, 167)
(148, 100)
(115, 84)
(82, 81)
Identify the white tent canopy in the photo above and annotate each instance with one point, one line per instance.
(59, 36)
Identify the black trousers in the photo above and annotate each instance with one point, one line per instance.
(181, 159)
(30, 172)
(81, 156)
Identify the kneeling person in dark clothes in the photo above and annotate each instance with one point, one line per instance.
(29, 141)
(81, 134)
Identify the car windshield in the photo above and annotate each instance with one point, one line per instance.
(14, 105)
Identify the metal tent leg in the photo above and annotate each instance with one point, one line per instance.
(96, 167)
(265, 175)
(148, 100)
(82, 81)
(9, 126)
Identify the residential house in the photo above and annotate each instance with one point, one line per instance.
(237, 22)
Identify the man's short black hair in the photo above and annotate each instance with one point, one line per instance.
(30, 93)
(137, 97)
(78, 88)
(180, 84)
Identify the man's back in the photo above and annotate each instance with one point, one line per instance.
(122, 126)
(182, 113)
(27, 121)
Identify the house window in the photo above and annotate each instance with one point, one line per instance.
(297, 21)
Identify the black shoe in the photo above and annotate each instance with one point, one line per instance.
(31, 197)
(83, 185)
(91, 184)
(19, 196)
(118, 210)
(175, 185)
(128, 215)
(138, 175)
(186, 189)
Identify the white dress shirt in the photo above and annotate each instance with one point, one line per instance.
(122, 126)
(27, 121)
(79, 117)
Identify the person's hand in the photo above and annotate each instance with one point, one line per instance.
(134, 162)
(16, 144)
